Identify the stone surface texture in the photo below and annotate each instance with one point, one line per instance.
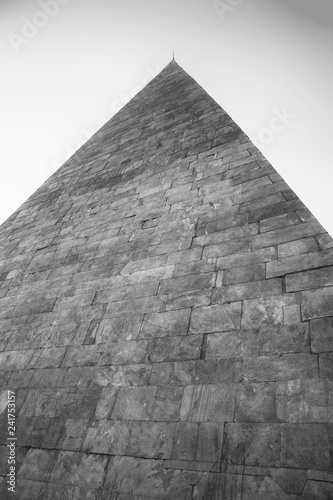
(166, 317)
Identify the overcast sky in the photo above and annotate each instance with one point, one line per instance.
(67, 66)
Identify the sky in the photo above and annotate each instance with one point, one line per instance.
(67, 66)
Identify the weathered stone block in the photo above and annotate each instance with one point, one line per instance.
(78, 468)
(301, 401)
(306, 245)
(209, 447)
(305, 446)
(142, 477)
(228, 370)
(36, 464)
(134, 403)
(109, 437)
(317, 303)
(294, 264)
(309, 279)
(227, 248)
(208, 403)
(165, 324)
(276, 340)
(255, 402)
(121, 376)
(265, 311)
(106, 403)
(245, 291)
(167, 403)
(287, 367)
(244, 274)
(186, 438)
(187, 283)
(211, 319)
(121, 328)
(175, 348)
(252, 444)
(120, 353)
(279, 221)
(151, 440)
(223, 345)
(322, 335)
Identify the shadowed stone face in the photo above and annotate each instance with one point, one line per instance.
(166, 317)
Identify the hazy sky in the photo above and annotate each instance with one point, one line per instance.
(68, 65)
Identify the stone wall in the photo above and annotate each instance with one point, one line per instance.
(167, 317)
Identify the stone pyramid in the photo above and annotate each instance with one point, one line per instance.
(166, 318)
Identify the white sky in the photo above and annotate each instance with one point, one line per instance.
(256, 58)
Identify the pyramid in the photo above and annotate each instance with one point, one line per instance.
(166, 318)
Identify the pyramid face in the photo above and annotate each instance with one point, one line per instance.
(166, 318)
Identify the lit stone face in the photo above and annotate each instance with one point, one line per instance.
(166, 317)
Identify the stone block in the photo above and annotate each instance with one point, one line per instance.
(244, 274)
(302, 401)
(144, 264)
(195, 267)
(284, 220)
(322, 335)
(286, 367)
(141, 477)
(78, 468)
(305, 446)
(228, 370)
(305, 245)
(247, 258)
(317, 303)
(255, 402)
(106, 403)
(167, 403)
(193, 372)
(264, 312)
(292, 314)
(109, 437)
(223, 345)
(246, 291)
(151, 440)
(134, 403)
(119, 353)
(287, 234)
(220, 485)
(326, 365)
(316, 489)
(211, 319)
(310, 279)
(294, 264)
(119, 328)
(36, 465)
(281, 339)
(175, 348)
(210, 438)
(50, 358)
(222, 236)
(185, 443)
(291, 481)
(82, 356)
(161, 373)
(208, 403)
(74, 432)
(165, 324)
(227, 248)
(181, 300)
(121, 375)
(252, 444)
(187, 283)
(137, 306)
